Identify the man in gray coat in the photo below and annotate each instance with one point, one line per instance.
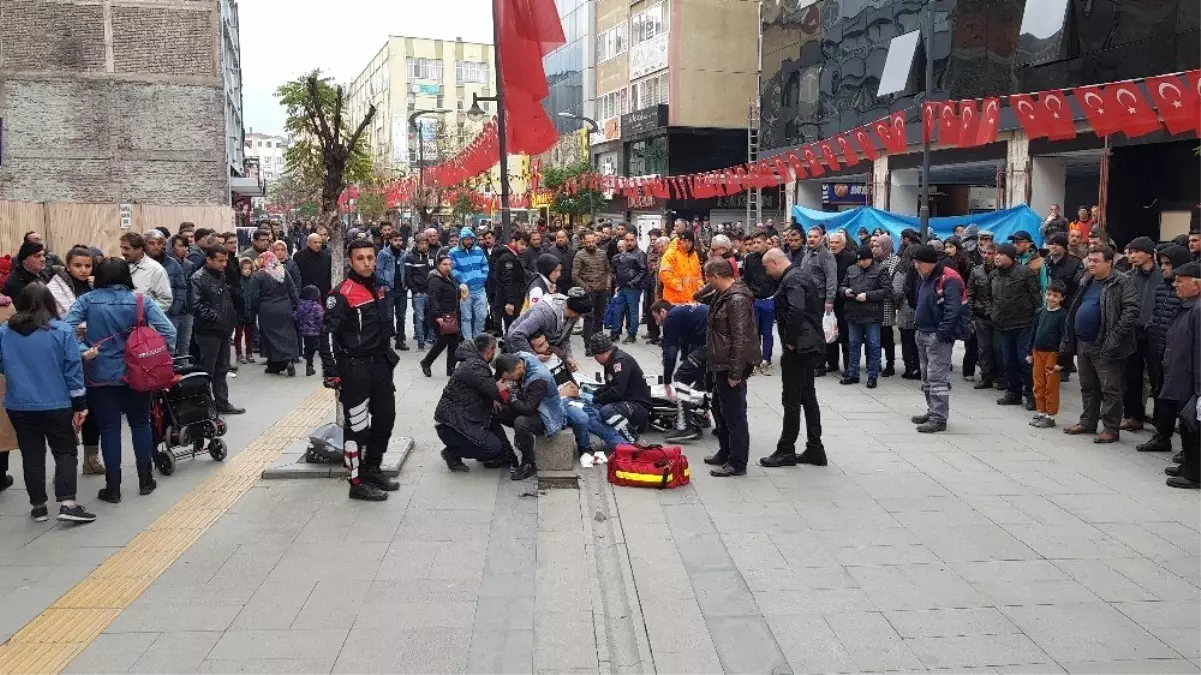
(555, 317)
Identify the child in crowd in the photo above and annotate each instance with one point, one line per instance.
(1044, 355)
(309, 317)
(244, 333)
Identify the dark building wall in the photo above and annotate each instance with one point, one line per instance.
(1146, 180)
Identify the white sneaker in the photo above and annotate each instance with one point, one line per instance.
(586, 461)
(599, 457)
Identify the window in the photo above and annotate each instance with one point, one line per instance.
(1041, 37)
(440, 102)
(647, 157)
(613, 104)
(471, 72)
(425, 69)
(649, 23)
(649, 92)
(899, 63)
(612, 43)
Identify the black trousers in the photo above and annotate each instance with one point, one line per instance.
(526, 430)
(970, 357)
(909, 350)
(652, 328)
(729, 416)
(310, 347)
(889, 345)
(34, 429)
(369, 411)
(495, 443)
(841, 346)
(448, 342)
(596, 320)
(1143, 360)
(213, 352)
(799, 393)
(504, 321)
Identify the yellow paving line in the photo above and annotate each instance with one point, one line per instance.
(49, 642)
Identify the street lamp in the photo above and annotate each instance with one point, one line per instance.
(421, 148)
(477, 114)
(924, 209)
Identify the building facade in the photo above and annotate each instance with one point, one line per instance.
(824, 65)
(120, 102)
(269, 150)
(410, 74)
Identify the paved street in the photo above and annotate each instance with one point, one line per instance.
(993, 547)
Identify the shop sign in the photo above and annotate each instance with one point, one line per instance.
(770, 201)
(642, 202)
(610, 130)
(642, 121)
(648, 57)
(844, 193)
(426, 89)
(126, 216)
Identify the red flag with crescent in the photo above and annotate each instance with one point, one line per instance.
(1029, 115)
(1179, 106)
(1060, 126)
(1134, 116)
(969, 124)
(866, 146)
(1097, 109)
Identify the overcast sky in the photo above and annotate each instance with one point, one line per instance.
(284, 38)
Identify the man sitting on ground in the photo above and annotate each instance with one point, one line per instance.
(624, 401)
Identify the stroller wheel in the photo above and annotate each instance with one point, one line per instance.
(165, 461)
(217, 450)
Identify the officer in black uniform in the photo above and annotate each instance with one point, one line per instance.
(625, 399)
(356, 359)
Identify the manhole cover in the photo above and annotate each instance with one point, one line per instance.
(558, 482)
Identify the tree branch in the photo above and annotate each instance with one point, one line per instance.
(338, 117)
(315, 99)
(354, 138)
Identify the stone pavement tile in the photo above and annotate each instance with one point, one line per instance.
(976, 650)
(274, 606)
(435, 525)
(1022, 582)
(251, 564)
(975, 543)
(1060, 542)
(659, 580)
(408, 559)
(702, 662)
(872, 642)
(1157, 541)
(211, 593)
(703, 552)
(329, 525)
(883, 555)
(509, 652)
(746, 645)
(504, 614)
(723, 593)
(560, 587)
(564, 548)
(112, 653)
(37, 554)
(23, 603)
(778, 603)
(147, 617)
(793, 579)
(200, 563)
(381, 649)
(1043, 510)
(1178, 534)
(858, 537)
(265, 666)
(508, 584)
(314, 561)
(433, 613)
(1186, 567)
(982, 484)
(1103, 580)
(690, 519)
(1029, 669)
(333, 604)
(950, 518)
(804, 549)
(280, 644)
(1086, 631)
(1107, 508)
(176, 652)
(931, 623)
(809, 644)
(753, 551)
(1176, 623)
(676, 625)
(377, 527)
(1157, 580)
(923, 586)
(564, 640)
(1130, 667)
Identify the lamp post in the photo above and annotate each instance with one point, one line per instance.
(421, 148)
(593, 128)
(924, 208)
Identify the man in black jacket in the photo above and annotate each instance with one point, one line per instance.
(213, 306)
(798, 313)
(508, 280)
(863, 289)
(29, 266)
(625, 399)
(464, 417)
(763, 288)
(1015, 301)
(566, 254)
(1171, 258)
(731, 356)
(629, 279)
(357, 360)
(1147, 279)
(418, 265)
(315, 264)
(1182, 382)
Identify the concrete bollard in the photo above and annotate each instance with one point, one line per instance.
(556, 453)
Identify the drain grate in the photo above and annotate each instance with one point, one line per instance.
(558, 482)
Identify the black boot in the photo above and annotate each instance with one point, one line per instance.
(983, 384)
(778, 458)
(374, 476)
(367, 492)
(453, 461)
(111, 492)
(309, 370)
(1156, 444)
(146, 482)
(522, 471)
(813, 454)
(400, 344)
(888, 371)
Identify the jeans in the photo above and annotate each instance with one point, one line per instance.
(1013, 344)
(796, 375)
(108, 404)
(421, 327)
(398, 307)
(597, 427)
(577, 421)
(625, 307)
(183, 334)
(860, 331)
(765, 320)
(34, 429)
(473, 313)
(461, 447)
(934, 355)
(733, 430)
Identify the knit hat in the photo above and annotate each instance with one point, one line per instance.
(579, 301)
(466, 233)
(1189, 270)
(27, 249)
(1060, 238)
(1177, 255)
(925, 254)
(1008, 250)
(600, 343)
(864, 253)
(1143, 244)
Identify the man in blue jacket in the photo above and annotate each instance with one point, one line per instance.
(937, 316)
(390, 273)
(156, 249)
(684, 329)
(469, 267)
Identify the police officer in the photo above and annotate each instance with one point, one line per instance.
(624, 401)
(357, 361)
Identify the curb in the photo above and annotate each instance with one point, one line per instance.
(292, 465)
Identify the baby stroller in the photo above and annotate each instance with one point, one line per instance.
(183, 416)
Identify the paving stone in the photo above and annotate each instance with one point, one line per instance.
(417, 614)
(775, 603)
(809, 578)
(112, 653)
(1023, 582)
(176, 652)
(563, 640)
(809, 644)
(265, 666)
(701, 662)
(883, 555)
(1130, 667)
(676, 625)
(507, 652)
(723, 593)
(916, 587)
(1105, 582)
(280, 644)
(932, 623)
(1176, 623)
(504, 614)
(1157, 580)
(274, 606)
(1078, 632)
(145, 617)
(421, 650)
(871, 641)
(746, 645)
(333, 604)
(976, 650)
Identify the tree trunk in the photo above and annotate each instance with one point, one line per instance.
(337, 237)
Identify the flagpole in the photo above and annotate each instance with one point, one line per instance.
(924, 208)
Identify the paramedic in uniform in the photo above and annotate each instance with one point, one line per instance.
(357, 360)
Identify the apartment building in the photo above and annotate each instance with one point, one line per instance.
(410, 74)
(269, 150)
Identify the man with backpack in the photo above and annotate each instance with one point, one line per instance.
(939, 321)
(215, 320)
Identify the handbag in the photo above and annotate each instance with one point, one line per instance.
(449, 325)
(649, 466)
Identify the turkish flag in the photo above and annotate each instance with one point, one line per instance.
(741, 178)
(782, 168)
(527, 31)
(948, 124)
(969, 124)
(811, 161)
(866, 146)
(931, 111)
(1180, 107)
(1029, 115)
(891, 132)
(1060, 126)
(798, 169)
(848, 150)
(828, 154)
(768, 177)
(1098, 109)
(1135, 116)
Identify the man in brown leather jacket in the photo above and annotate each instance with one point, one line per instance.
(732, 352)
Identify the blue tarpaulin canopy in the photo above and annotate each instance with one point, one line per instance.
(1001, 223)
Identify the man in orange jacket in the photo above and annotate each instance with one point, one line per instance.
(680, 270)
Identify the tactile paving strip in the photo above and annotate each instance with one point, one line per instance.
(49, 642)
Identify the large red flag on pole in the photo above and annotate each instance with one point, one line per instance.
(526, 30)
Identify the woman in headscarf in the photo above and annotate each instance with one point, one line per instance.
(281, 253)
(273, 298)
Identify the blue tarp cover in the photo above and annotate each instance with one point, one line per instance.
(1001, 223)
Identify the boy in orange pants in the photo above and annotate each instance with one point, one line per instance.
(1044, 355)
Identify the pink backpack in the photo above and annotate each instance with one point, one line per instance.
(148, 363)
